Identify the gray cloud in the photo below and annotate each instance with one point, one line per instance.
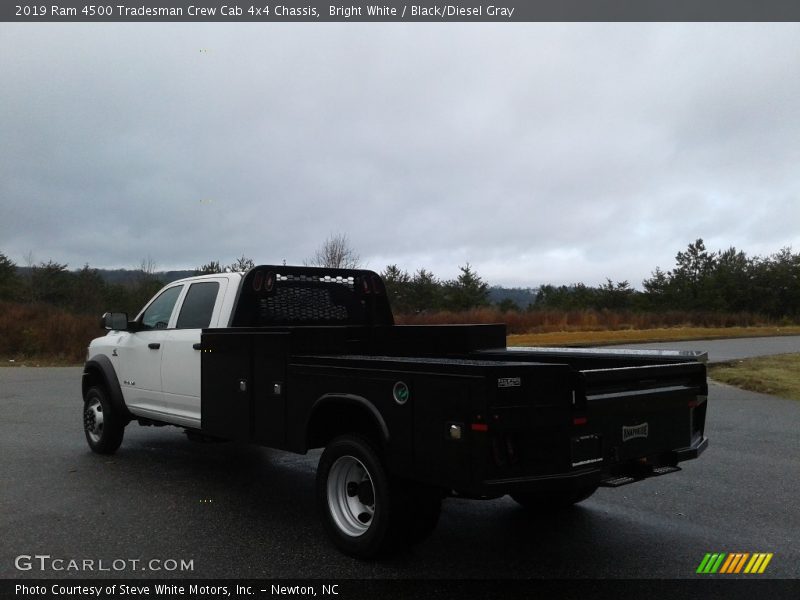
(537, 152)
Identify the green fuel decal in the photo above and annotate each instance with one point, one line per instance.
(400, 392)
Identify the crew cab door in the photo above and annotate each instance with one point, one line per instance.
(140, 354)
(180, 361)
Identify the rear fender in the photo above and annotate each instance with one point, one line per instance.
(336, 414)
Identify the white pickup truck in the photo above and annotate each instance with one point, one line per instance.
(296, 358)
(156, 358)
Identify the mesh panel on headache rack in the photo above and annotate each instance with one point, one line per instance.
(292, 304)
(310, 300)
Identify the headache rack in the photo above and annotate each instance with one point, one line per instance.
(273, 295)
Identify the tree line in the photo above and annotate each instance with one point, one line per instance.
(423, 291)
(726, 281)
(83, 291)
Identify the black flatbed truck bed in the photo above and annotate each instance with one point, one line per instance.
(415, 413)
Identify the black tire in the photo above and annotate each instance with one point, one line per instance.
(555, 499)
(365, 511)
(102, 425)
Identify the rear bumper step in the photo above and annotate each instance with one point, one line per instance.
(620, 480)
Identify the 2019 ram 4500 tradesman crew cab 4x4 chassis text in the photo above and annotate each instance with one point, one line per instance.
(296, 358)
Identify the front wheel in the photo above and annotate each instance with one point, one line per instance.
(103, 427)
(365, 511)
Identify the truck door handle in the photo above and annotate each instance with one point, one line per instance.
(197, 346)
(154, 345)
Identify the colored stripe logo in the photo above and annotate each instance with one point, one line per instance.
(734, 563)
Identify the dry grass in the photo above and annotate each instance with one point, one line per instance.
(595, 327)
(630, 336)
(776, 375)
(549, 321)
(41, 334)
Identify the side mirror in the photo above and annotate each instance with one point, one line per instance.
(115, 321)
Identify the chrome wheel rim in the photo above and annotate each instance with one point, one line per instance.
(93, 419)
(351, 496)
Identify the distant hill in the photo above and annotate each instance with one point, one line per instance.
(522, 297)
(127, 276)
(123, 276)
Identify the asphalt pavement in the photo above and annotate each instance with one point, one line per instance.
(238, 511)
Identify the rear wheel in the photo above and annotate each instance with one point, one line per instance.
(554, 499)
(103, 427)
(365, 511)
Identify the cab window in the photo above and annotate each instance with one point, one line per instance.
(198, 305)
(157, 314)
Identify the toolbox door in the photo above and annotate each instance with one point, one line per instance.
(227, 386)
(270, 388)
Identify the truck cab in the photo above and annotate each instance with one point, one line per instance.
(157, 356)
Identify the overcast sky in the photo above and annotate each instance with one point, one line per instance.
(537, 152)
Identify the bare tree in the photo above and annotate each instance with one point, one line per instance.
(335, 253)
(147, 268)
(146, 282)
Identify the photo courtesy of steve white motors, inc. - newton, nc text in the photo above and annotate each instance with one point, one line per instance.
(399, 300)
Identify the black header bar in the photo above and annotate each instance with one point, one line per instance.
(402, 589)
(399, 11)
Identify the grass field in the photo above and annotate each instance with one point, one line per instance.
(630, 336)
(777, 375)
